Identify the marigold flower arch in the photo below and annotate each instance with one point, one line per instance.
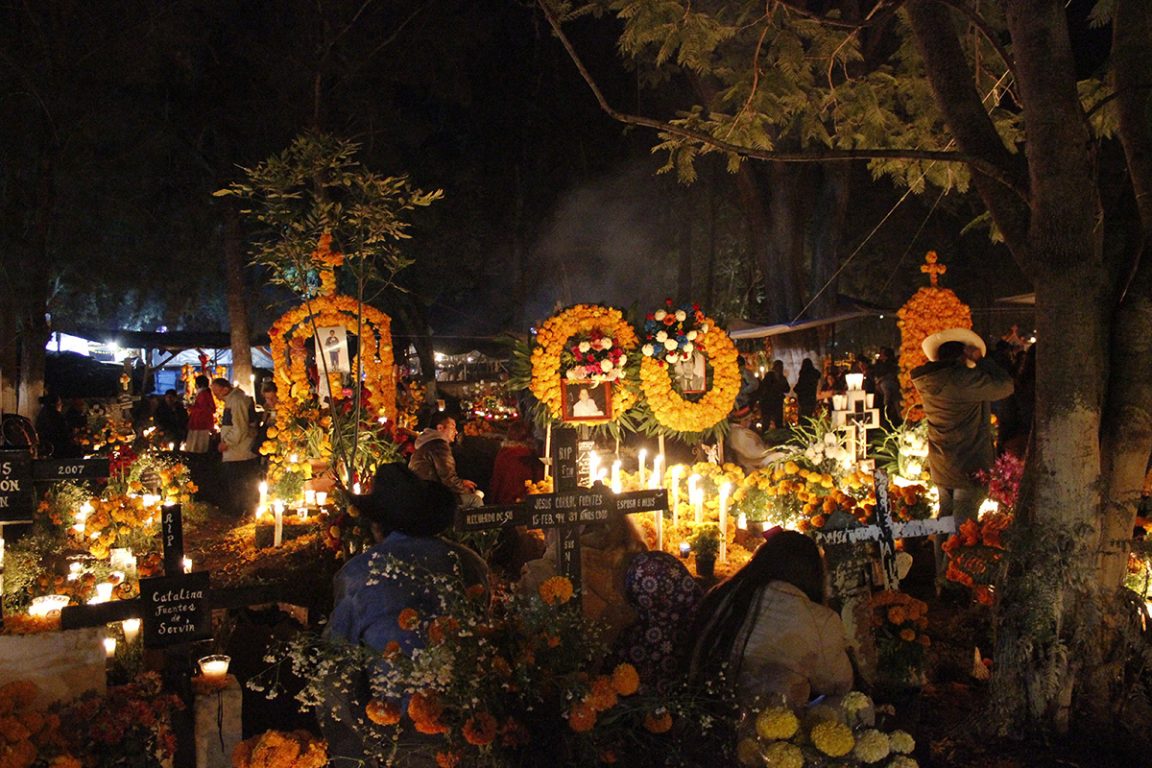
(675, 413)
(289, 338)
(551, 339)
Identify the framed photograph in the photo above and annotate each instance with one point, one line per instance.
(332, 350)
(691, 375)
(586, 401)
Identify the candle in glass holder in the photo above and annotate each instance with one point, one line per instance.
(109, 647)
(131, 629)
(104, 591)
(187, 563)
(685, 548)
(310, 497)
(215, 667)
(839, 402)
(855, 381)
(321, 498)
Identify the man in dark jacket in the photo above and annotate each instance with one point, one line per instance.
(958, 386)
(433, 460)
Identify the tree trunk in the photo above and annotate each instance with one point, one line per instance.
(685, 283)
(9, 356)
(828, 223)
(237, 301)
(784, 256)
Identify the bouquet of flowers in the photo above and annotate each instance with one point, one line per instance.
(593, 357)
(903, 452)
(800, 498)
(541, 697)
(672, 334)
(776, 736)
(277, 749)
(129, 726)
(899, 622)
(976, 553)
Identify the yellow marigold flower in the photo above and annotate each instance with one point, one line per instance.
(901, 742)
(783, 754)
(832, 738)
(748, 753)
(625, 679)
(776, 723)
(556, 590)
(871, 746)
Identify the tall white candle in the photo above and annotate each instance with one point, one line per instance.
(642, 458)
(657, 479)
(676, 470)
(548, 450)
(699, 505)
(617, 484)
(725, 489)
(278, 524)
(262, 506)
(692, 497)
(593, 467)
(659, 513)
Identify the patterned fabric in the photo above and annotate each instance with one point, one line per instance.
(664, 595)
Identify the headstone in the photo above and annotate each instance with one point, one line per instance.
(17, 502)
(172, 538)
(175, 609)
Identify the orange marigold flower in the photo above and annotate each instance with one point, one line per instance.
(897, 614)
(447, 759)
(480, 729)
(440, 628)
(556, 590)
(391, 649)
(581, 718)
(603, 694)
(625, 679)
(408, 619)
(659, 721)
(382, 712)
(908, 635)
(513, 733)
(424, 707)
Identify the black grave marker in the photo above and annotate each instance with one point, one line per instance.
(175, 609)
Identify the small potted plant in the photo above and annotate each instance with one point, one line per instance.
(706, 543)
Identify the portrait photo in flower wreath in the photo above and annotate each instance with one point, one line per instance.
(586, 401)
(689, 373)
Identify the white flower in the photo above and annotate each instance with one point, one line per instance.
(623, 359)
(681, 315)
(584, 346)
(671, 358)
(902, 742)
(605, 365)
(688, 347)
(670, 344)
(661, 336)
(605, 343)
(571, 373)
(691, 335)
(703, 327)
(913, 469)
(647, 349)
(659, 314)
(829, 438)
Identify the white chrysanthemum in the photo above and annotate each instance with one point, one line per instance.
(584, 346)
(670, 344)
(681, 315)
(671, 358)
(691, 335)
(605, 365)
(571, 374)
(689, 347)
(783, 754)
(605, 343)
(661, 336)
(871, 746)
(621, 362)
(659, 314)
(704, 328)
(902, 742)
(903, 761)
(648, 349)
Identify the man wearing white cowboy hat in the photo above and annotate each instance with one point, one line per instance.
(958, 386)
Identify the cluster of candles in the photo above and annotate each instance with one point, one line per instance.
(312, 498)
(654, 480)
(855, 382)
(131, 629)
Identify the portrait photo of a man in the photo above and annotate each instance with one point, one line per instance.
(587, 401)
(332, 350)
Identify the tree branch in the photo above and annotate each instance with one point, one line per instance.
(989, 34)
(984, 167)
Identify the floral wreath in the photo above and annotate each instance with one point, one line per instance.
(560, 353)
(672, 412)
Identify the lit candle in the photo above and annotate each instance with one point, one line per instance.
(215, 667)
(355, 489)
(839, 402)
(310, 497)
(187, 563)
(676, 470)
(593, 467)
(46, 605)
(321, 498)
(131, 629)
(262, 505)
(855, 381)
(642, 457)
(685, 548)
(302, 513)
(294, 458)
(104, 591)
(278, 523)
(699, 505)
(617, 484)
(109, 647)
(657, 479)
(659, 513)
(742, 521)
(725, 489)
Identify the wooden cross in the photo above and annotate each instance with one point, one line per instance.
(885, 531)
(565, 510)
(932, 268)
